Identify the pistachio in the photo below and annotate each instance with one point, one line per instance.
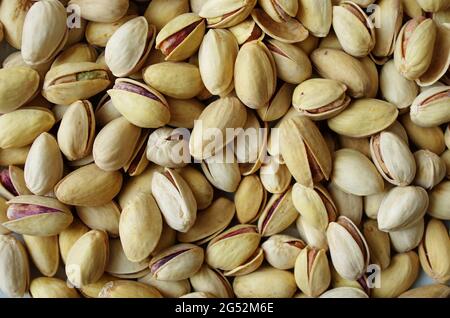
(354, 173)
(198, 295)
(14, 156)
(14, 79)
(69, 236)
(433, 5)
(226, 13)
(160, 12)
(378, 243)
(278, 214)
(344, 292)
(208, 280)
(275, 177)
(216, 57)
(98, 33)
(128, 289)
(177, 262)
(49, 287)
(348, 248)
(184, 112)
(278, 105)
(252, 87)
(312, 272)
(38, 216)
(44, 252)
(427, 291)
(250, 265)
(393, 159)
(175, 200)
(223, 175)
(281, 251)
(87, 258)
(3, 217)
(104, 217)
(14, 267)
(89, 186)
(248, 210)
(266, 282)
(201, 188)
(347, 204)
(405, 240)
(12, 183)
(80, 52)
(429, 108)
(210, 222)
(101, 10)
(247, 31)
(12, 16)
(120, 266)
(312, 236)
(434, 251)
(430, 169)
(402, 207)
(232, 247)
(316, 16)
(168, 289)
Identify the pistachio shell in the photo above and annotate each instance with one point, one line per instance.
(80, 52)
(222, 173)
(12, 16)
(101, 10)
(281, 251)
(249, 266)
(87, 258)
(407, 239)
(429, 108)
(372, 116)
(104, 217)
(120, 266)
(427, 291)
(168, 289)
(98, 33)
(14, 156)
(208, 280)
(439, 201)
(354, 173)
(44, 251)
(69, 236)
(247, 31)
(48, 287)
(430, 169)
(227, 13)
(12, 183)
(312, 272)
(160, 12)
(32, 122)
(316, 16)
(201, 188)
(312, 236)
(13, 79)
(128, 289)
(347, 204)
(183, 112)
(279, 104)
(248, 210)
(344, 292)
(433, 5)
(275, 177)
(378, 243)
(89, 186)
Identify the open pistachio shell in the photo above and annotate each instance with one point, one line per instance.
(39, 216)
(281, 250)
(247, 31)
(226, 13)
(210, 222)
(290, 31)
(278, 105)
(430, 109)
(12, 182)
(316, 16)
(209, 280)
(275, 177)
(251, 265)
(138, 160)
(178, 262)
(280, 10)
(312, 271)
(67, 83)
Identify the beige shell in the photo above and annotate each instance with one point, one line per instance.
(379, 243)
(216, 57)
(44, 165)
(128, 289)
(281, 250)
(101, 10)
(431, 169)
(201, 188)
(227, 13)
(183, 112)
(248, 210)
(140, 227)
(15, 270)
(160, 12)
(12, 16)
(279, 105)
(53, 218)
(433, 5)
(33, 122)
(14, 79)
(168, 289)
(429, 108)
(310, 235)
(222, 173)
(208, 280)
(124, 60)
(312, 271)
(439, 201)
(16, 180)
(89, 186)
(120, 266)
(49, 287)
(98, 33)
(252, 87)
(44, 251)
(104, 217)
(407, 239)
(69, 236)
(427, 291)
(80, 52)
(275, 177)
(168, 147)
(14, 156)
(347, 204)
(316, 16)
(44, 32)
(87, 258)
(344, 292)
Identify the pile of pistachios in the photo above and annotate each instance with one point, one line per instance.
(224, 148)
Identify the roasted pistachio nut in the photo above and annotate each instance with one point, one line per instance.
(427, 291)
(184, 112)
(395, 88)
(14, 79)
(102, 10)
(168, 147)
(12, 183)
(344, 292)
(275, 177)
(128, 289)
(98, 33)
(178, 262)
(181, 37)
(226, 13)
(247, 31)
(44, 252)
(44, 165)
(199, 185)
(208, 280)
(278, 214)
(414, 47)
(44, 32)
(175, 79)
(248, 210)
(309, 161)
(69, 236)
(292, 64)
(250, 265)
(232, 247)
(316, 16)
(378, 243)
(89, 186)
(38, 216)
(221, 114)
(77, 130)
(434, 251)
(429, 108)
(347, 204)
(87, 258)
(431, 169)
(216, 57)
(224, 175)
(312, 271)
(140, 227)
(49, 287)
(278, 105)
(280, 11)
(354, 173)
(445, 157)
(281, 250)
(315, 205)
(14, 267)
(210, 222)
(168, 289)
(14, 156)
(348, 248)
(399, 276)
(266, 282)
(104, 217)
(120, 266)
(402, 207)
(255, 75)
(337, 65)
(12, 16)
(320, 98)
(32, 122)
(407, 239)
(80, 52)
(69, 82)
(160, 12)
(372, 202)
(124, 60)
(372, 115)
(175, 200)
(310, 235)
(354, 29)
(393, 159)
